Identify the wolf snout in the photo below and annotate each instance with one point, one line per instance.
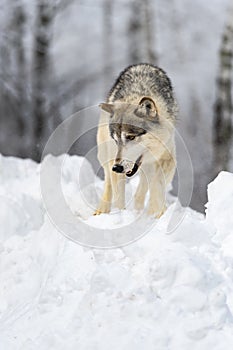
(118, 168)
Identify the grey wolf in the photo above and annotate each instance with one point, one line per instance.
(136, 134)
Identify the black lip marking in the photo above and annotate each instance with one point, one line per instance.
(135, 167)
(133, 171)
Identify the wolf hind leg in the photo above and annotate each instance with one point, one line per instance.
(106, 199)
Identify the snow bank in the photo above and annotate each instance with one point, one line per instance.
(161, 292)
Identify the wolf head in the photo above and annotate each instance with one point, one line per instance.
(139, 132)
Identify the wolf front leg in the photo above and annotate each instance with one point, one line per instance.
(139, 197)
(157, 186)
(118, 187)
(106, 199)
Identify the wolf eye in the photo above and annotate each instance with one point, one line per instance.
(130, 137)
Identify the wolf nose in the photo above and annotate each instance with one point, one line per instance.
(118, 168)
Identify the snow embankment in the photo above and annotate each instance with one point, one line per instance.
(161, 292)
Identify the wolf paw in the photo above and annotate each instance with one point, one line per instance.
(97, 212)
(101, 211)
(157, 213)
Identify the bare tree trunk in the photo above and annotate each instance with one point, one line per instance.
(222, 126)
(8, 96)
(107, 39)
(21, 86)
(141, 32)
(135, 32)
(44, 18)
(149, 25)
(5, 74)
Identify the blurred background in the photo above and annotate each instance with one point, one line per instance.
(59, 56)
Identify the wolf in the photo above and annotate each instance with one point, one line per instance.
(136, 134)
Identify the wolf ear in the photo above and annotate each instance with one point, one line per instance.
(148, 103)
(147, 109)
(107, 107)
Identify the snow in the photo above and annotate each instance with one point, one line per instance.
(166, 290)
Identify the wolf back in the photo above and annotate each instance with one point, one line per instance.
(144, 80)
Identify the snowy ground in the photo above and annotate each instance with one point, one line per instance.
(164, 291)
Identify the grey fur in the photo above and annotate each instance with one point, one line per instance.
(144, 80)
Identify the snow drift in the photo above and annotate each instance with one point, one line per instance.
(160, 292)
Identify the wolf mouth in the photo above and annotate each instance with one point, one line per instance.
(135, 167)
